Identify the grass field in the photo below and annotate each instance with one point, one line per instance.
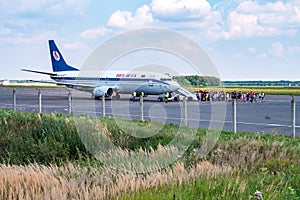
(43, 157)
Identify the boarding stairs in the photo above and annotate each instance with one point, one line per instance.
(186, 93)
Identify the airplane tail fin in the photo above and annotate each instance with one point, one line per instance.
(58, 62)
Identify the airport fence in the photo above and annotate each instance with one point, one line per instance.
(240, 120)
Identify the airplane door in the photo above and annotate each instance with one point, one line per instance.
(150, 83)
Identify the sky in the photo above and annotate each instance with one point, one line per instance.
(246, 40)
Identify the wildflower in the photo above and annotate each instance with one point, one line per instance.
(263, 169)
(39, 117)
(258, 195)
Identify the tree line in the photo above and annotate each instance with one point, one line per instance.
(197, 81)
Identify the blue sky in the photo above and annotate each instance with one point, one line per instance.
(247, 40)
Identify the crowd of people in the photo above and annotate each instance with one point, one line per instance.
(210, 96)
(223, 96)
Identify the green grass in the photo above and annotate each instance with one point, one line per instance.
(233, 186)
(268, 163)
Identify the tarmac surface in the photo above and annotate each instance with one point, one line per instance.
(272, 116)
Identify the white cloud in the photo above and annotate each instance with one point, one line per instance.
(296, 17)
(240, 57)
(254, 7)
(277, 49)
(30, 5)
(253, 19)
(33, 17)
(244, 19)
(4, 31)
(34, 39)
(73, 7)
(75, 46)
(126, 19)
(186, 9)
(120, 19)
(76, 6)
(193, 16)
(262, 56)
(252, 49)
(28, 21)
(273, 13)
(241, 25)
(294, 50)
(35, 9)
(94, 33)
(211, 26)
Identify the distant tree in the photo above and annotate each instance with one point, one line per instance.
(182, 80)
(212, 81)
(197, 81)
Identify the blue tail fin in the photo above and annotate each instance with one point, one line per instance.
(58, 62)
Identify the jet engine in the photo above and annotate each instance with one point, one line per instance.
(98, 92)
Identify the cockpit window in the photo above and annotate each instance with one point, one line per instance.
(166, 79)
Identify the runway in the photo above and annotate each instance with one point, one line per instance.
(272, 116)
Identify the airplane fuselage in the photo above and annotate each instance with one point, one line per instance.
(123, 85)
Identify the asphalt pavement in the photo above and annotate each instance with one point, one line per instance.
(272, 116)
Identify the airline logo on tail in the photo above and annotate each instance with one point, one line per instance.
(56, 55)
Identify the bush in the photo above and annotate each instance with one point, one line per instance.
(41, 138)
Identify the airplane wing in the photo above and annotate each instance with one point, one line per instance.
(71, 85)
(76, 85)
(49, 82)
(97, 90)
(56, 82)
(39, 72)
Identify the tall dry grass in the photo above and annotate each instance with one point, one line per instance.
(72, 182)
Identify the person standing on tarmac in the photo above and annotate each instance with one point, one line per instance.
(167, 96)
(133, 96)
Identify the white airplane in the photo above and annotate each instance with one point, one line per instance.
(106, 85)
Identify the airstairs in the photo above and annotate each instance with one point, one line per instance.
(186, 93)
